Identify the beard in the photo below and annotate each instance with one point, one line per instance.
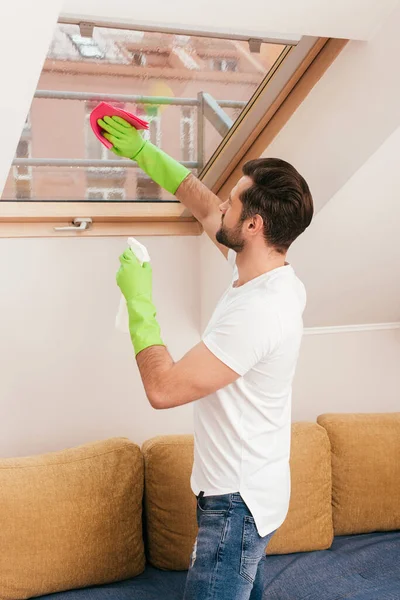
(231, 238)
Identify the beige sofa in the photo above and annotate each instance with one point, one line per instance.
(74, 518)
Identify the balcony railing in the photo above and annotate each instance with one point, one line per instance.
(208, 109)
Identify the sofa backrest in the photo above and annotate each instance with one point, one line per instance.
(365, 471)
(170, 505)
(70, 519)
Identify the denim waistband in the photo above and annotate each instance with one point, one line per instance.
(235, 496)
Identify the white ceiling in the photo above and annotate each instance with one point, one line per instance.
(352, 19)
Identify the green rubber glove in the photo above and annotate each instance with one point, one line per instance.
(135, 282)
(128, 142)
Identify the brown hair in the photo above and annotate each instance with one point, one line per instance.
(281, 196)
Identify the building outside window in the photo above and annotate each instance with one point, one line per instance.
(23, 174)
(106, 194)
(147, 189)
(87, 47)
(223, 64)
(188, 116)
(138, 59)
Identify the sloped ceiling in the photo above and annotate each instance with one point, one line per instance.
(26, 32)
(345, 140)
(347, 115)
(355, 19)
(349, 259)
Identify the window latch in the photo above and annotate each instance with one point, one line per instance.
(77, 225)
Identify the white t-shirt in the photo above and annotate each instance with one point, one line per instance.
(242, 431)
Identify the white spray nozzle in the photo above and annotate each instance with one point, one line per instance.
(139, 250)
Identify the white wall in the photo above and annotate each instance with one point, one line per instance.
(347, 372)
(67, 375)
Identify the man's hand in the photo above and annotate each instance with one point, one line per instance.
(134, 279)
(126, 140)
(135, 282)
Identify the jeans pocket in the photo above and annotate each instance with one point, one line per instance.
(253, 549)
(213, 505)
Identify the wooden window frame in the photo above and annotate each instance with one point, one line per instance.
(252, 133)
(248, 138)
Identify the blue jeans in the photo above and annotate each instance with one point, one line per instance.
(227, 552)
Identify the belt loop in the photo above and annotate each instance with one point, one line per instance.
(200, 495)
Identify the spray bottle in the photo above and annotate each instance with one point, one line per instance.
(141, 253)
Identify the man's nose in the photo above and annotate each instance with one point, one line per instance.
(223, 207)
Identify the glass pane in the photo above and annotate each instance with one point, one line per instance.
(171, 71)
(23, 149)
(60, 184)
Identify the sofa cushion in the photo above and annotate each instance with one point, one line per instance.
(365, 471)
(308, 525)
(152, 584)
(356, 567)
(171, 505)
(70, 519)
(337, 573)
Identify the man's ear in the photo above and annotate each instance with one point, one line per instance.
(256, 223)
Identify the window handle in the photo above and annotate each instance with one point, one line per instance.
(78, 225)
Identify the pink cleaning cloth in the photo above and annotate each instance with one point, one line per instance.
(104, 109)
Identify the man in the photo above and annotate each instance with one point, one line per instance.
(241, 372)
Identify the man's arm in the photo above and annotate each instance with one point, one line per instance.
(167, 172)
(204, 206)
(168, 384)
